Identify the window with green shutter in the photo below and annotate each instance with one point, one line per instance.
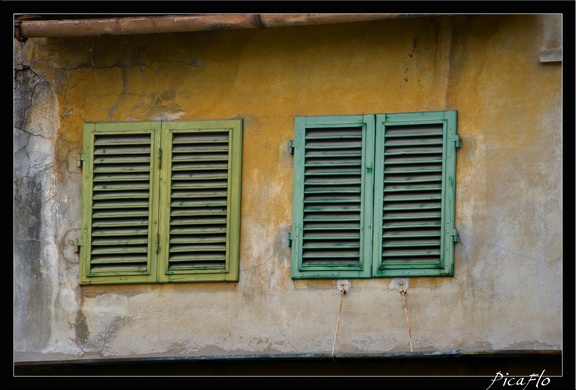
(161, 202)
(374, 195)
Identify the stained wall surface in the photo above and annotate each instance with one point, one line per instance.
(505, 293)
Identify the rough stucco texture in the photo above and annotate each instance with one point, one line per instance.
(505, 294)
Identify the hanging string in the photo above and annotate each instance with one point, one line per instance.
(403, 292)
(342, 292)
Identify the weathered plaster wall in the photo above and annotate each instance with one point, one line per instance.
(506, 292)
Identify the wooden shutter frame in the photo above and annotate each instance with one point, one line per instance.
(231, 270)
(445, 266)
(363, 268)
(87, 274)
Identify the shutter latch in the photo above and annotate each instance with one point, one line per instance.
(79, 243)
(455, 235)
(291, 147)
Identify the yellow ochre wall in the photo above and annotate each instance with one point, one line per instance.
(506, 291)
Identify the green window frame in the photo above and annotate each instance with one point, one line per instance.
(374, 195)
(160, 202)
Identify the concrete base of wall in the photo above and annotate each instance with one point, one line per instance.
(450, 363)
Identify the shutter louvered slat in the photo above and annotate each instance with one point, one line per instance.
(200, 221)
(411, 224)
(199, 176)
(200, 166)
(121, 204)
(403, 160)
(408, 187)
(198, 200)
(117, 215)
(407, 142)
(410, 206)
(119, 195)
(122, 187)
(119, 239)
(124, 177)
(178, 193)
(201, 240)
(420, 195)
(391, 243)
(119, 232)
(124, 168)
(123, 249)
(200, 211)
(118, 223)
(412, 170)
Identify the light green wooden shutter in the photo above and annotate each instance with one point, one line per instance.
(332, 196)
(118, 198)
(414, 194)
(201, 200)
(161, 202)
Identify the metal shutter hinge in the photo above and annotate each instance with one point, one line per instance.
(455, 235)
(21, 67)
(457, 141)
(81, 157)
(291, 147)
(159, 158)
(290, 239)
(79, 243)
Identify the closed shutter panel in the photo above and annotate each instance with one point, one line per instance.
(203, 195)
(329, 232)
(410, 192)
(118, 181)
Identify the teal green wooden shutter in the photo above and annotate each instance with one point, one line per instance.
(414, 230)
(118, 201)
(332, 205)
(201, 199)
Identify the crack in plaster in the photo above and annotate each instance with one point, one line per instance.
(121, 95)
(23, 149)
(286, 339)
(266, 260)
(468, 273)
(507, 250)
